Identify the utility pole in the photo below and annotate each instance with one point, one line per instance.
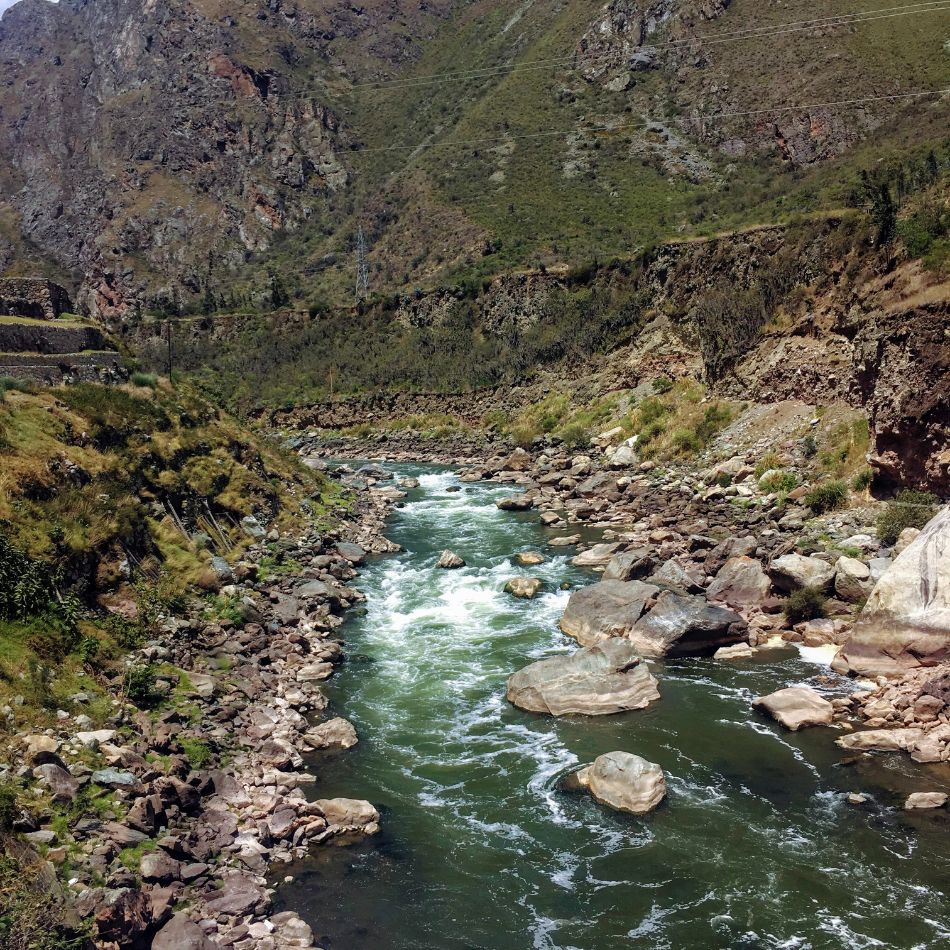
(362, 266)
(168, 341)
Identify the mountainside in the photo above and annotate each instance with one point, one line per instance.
(192, 155)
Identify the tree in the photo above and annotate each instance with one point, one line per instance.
(278, 293)
(884, 212)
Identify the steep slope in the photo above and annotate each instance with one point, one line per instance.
(175, 155)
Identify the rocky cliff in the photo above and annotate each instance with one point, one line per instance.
(175, 155)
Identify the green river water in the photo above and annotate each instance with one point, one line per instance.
(754, 846)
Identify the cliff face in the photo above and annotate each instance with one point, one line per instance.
(160, 152)
(148, 148)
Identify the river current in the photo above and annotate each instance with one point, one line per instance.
(754, 847)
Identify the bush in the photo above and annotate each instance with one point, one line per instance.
(778, 483)
(909, 509)
(805, 604)
(809, 447)
(769, 461)
(861, 481)
(827, 497)
(662, 385)
(196, 752)
(144, 379)
(140, 684)
(8, 806)
(12, 384)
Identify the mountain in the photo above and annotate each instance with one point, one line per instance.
(195, 154)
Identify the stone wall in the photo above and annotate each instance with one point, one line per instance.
(33, 297)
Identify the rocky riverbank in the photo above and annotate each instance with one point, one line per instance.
(171, 820)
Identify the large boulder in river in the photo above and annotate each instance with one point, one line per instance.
(600, 680)
(796, 707)
(906, 620)
(624, 781)
(524, 588)
(607, 609)
(792, 571)
(686, 625)
(450, 561)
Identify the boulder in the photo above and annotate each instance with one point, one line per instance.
(626, 455)
(881, 740)
(518, 461)
(740, 581)
(920, 800)
(450, 561)
(905, 539)
(906, 620)
(529, 558)
(349, 814)
(796, 707)
(180, 933)
(630, 565)
(59, 781)
(674, 576)
(334, 734)
(253, 528)
(240, 895)
(524, 588)
(686, 625)
(515, 503)
(738, 651)
(603, 679)
(351, 552)
(792, 571)
(608, 609)
(624, 781)
(596, 556)
(852, 579)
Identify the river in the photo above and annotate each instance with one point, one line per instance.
(754, 847)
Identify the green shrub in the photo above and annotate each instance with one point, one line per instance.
(909, 509)
(8, 806)
(140, 684)
(196, 752)
(861, 481)
(687, 441)
(809, 446)
(715, 418)
(12, 384)
(771, 460)
(778, 483)
(805, 604)
(828, 496)
(144, 379)
(662, 385)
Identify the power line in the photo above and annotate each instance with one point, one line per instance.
(843, 19)
(712, 116)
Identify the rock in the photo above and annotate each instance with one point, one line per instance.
(518, 461)
(881, 740)
(629, 566)
(856, 798)
(450, 561)
(515, 503)
(95, 738)
(608, 609)
(852, 579)
(240, 895)
(905, 539)
(626, 455)
(180, 933)
(113, 777)
(525, 588)
(796, 707)
(792, 571)
(159, 867)
(222, 570)
(596, 556)
(673, 576)
(348, 813)
(686, 625)
(334, 734)
(740, 581)
(59, 781)
(351, 552)
(37, 744)
(529, 558)
(906, 620)
(738, 651)
(374, 471)
(253, 528)
(123, 917)
(625, 782)
(603, 679)
(920, 800)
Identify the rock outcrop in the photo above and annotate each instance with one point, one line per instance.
(600, 680)
(608, 609)
(686, 625)
(906, 620)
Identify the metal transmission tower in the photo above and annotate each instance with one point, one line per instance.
(362, 267)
